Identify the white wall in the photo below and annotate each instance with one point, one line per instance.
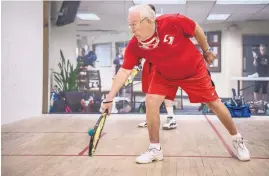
(62, 38)
(22, 52)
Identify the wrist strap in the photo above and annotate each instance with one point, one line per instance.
(108, 102)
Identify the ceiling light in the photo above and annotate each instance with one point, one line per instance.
(87, 16)
(159, 1)
(242, 1)
(218, 16)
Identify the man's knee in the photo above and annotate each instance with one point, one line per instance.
(154, 101)
(213, 104)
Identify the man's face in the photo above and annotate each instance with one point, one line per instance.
(139, 27)
(263, 50)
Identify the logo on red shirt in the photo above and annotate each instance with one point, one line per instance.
(168, 39)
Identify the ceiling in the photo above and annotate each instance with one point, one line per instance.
(113, 14)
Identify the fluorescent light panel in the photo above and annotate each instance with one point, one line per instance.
(159, 1)
(242, 1)
(87, 16)
(218, 16)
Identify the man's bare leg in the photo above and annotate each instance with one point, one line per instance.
(169, 107)
(153, 103)
(171, 121)
(224, 116)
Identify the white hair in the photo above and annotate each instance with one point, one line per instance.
(144, 10)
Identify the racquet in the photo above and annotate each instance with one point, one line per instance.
(98, 128)
(132, 76)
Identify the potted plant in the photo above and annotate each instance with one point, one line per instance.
(66, 78)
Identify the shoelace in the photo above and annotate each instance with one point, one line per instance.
(168, 120)
(240, 143)
(149, 150)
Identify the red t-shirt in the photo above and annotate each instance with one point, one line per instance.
(176, 57)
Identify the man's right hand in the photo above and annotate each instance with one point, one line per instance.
(107, 105)
(118, 82)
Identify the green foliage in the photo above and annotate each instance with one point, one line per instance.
(66, 79)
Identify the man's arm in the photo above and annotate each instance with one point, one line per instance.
(129, 61)
(201, 38)
(192, 29)
(208, 55)
(118, 82)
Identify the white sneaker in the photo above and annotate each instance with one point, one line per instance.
(242, 152)
(170, 123)
(143, 124)
(255, 75)
(151, 155)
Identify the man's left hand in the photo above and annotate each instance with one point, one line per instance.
(209, 57)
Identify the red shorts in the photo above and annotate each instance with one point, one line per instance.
(147, 73)
(199, 88)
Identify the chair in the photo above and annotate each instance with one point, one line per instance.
(94, 81)
(136, 88)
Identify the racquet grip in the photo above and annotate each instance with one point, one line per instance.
(106, 111)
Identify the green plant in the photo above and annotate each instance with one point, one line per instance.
(66, 79)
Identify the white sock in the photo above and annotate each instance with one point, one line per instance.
(170, 111)
(155, 145)
(238, 135)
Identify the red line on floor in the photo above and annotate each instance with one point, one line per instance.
(220, 137)
(108, 155)
(43, 132)
(83, 151)
(39, 155)
(86, 148)
(171, 156)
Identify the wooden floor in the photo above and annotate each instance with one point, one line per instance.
(57, 145)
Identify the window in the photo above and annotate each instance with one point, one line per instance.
(120, 46)
(214, 41)
(251, 48)
(104, 54)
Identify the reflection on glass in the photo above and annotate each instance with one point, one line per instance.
(216, 63)
(215, 50)
(215, 38)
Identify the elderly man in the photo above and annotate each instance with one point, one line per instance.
(165, 42)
